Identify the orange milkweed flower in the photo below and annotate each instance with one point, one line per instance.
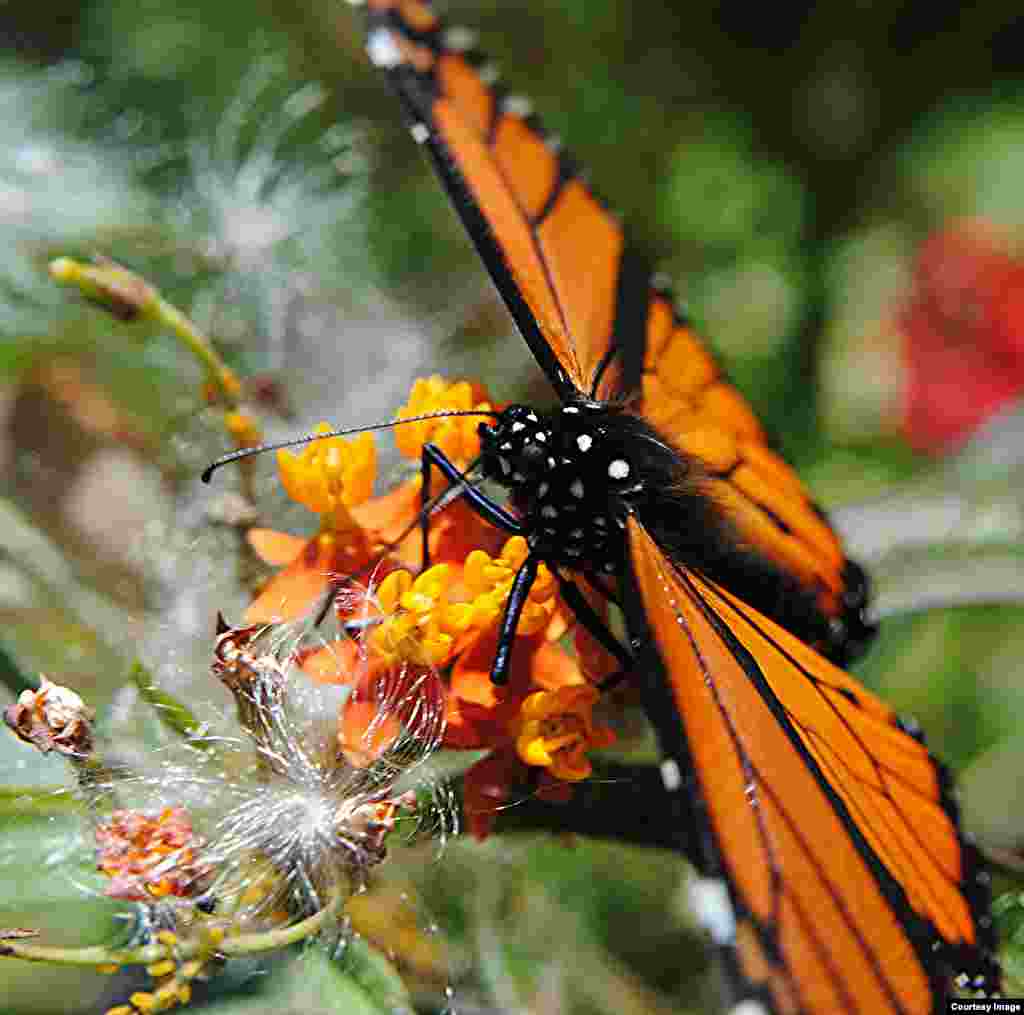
(456, 436)
(489, 580)
(480, 715)
(420, 624)
(330, 477)
(555, 730)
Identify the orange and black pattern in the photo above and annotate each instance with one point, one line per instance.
(827, 827)
(588, 307)
(850, 887)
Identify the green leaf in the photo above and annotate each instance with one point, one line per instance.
(315, 984)
(169, 710)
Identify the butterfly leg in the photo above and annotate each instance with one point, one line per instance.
(594, 623)
(484, 506)
(521, 585)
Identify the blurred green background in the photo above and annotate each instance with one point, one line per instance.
(784, 164)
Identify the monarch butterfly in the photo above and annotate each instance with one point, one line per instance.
(821, 817)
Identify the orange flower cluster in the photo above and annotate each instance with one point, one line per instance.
(420, 624)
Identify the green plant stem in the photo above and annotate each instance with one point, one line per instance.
(186, 948)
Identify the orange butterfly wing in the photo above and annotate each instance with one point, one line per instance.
(584, 300)
(851, 889)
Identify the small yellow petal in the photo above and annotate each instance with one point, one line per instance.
(473, 572)
(515, 552)
(392, 590)
(532, 751)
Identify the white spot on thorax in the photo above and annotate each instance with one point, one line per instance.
(709, 900)
(619, 469)
(420, 132)
(584, 442)
(671, 777)
(382, 49)
(576, 489)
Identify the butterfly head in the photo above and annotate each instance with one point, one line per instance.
(516, 448)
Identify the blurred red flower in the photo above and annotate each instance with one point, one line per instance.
(963, 334)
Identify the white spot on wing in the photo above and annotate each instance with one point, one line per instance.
(576, 489)
(584, 442)
(488, 73)
(420, 132)
(709, 900)
(548, 511)
(459, 39)
(517, 105)
(749, 1007)
(571, 409)
(516, 427)
(671, 777)
(382, 49)
(619, 469)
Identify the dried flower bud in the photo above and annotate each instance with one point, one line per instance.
(370, 823)
(149, 857)
(255, 679)
(53, 718)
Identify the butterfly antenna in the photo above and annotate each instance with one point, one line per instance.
(235, 456)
